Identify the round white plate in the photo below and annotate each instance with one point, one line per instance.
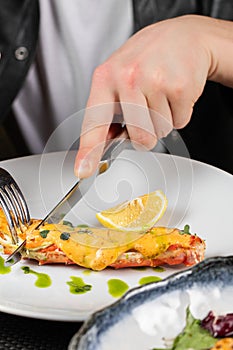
(198, 195)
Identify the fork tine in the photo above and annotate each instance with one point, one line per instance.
(19, 200)
(5, 208)
(13, 204)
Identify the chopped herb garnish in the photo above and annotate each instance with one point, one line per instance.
(65, 236)
(85, 230)
(186, 230)
(68, 223)
(25, 269)
(82, 225)
(80, 289)
(44, 233)
(78, 286)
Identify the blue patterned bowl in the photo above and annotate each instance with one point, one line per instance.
(147, 315)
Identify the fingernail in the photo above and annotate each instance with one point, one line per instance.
(85, 169)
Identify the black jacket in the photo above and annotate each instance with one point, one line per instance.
(208, 136)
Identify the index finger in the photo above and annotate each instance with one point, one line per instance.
(97, 120)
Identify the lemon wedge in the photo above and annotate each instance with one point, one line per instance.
(139, 214)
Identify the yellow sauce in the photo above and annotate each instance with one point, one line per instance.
(96, 248)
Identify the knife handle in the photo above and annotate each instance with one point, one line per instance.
(116, 145)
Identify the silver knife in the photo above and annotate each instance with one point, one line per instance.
(112, 149)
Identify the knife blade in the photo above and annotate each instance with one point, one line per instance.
(112, 149)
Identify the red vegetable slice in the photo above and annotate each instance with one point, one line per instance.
(218, 326)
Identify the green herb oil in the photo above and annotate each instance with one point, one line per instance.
(139, 268)
(78, 286)
(4, 269)
(43, 280)
(158, 269)
(149, 279)
(117, 287)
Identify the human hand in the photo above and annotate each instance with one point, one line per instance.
(162, 68)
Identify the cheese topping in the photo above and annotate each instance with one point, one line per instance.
(96, 248)
(93, 248)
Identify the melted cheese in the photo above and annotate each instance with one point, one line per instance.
(96, 248)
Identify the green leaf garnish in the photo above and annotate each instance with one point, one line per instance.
(186, 230)
(65, 236)
(44, 233)
(82, 225)
(193, 336)
(68, 223)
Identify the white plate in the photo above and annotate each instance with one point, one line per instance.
(198, 195)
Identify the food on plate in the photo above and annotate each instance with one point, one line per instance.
(223, 344)
(211, 333)
(98, 248)
(218, 326)
(138, 214)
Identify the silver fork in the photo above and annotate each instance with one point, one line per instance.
(13, 204)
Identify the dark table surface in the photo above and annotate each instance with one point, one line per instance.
(22, 333)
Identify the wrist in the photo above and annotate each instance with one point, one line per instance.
(220, 46)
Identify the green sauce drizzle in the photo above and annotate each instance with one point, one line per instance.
(139, 268)
(4, 269)
(78, 286)
(149, 279)
(158, 269)
(43, 280)
(87, 272)
(117, 287)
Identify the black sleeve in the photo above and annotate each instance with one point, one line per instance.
(19, 22)
(147, 12)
